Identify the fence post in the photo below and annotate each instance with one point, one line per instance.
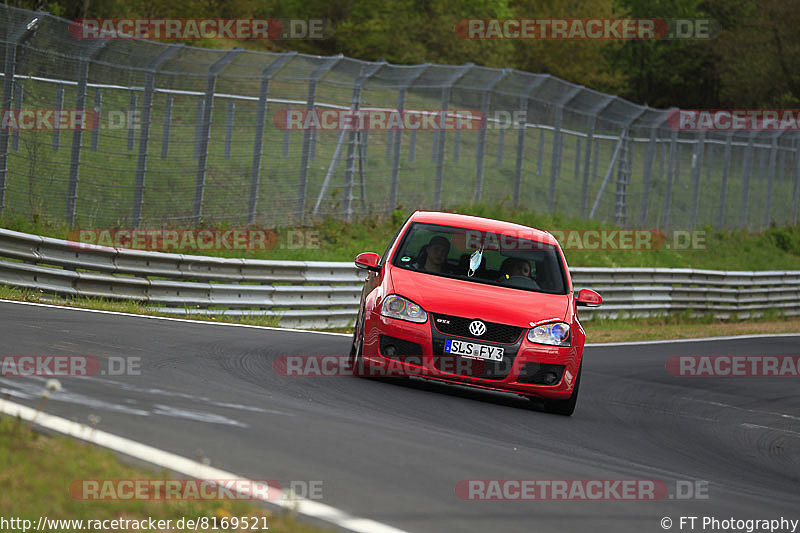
(302, 184)
(480, 148)
(648, 172)
(355, 106)
(555, 166)
(56, 143)
(18, 96)
(98, 109)
(261, 117)
(673, 143)
(398, 135)
(144, 134)
(726, 166)
(132, 122)
(77, 135)
(796, 195)
(522, 124)
(697, 166)
(773, 154)
(198, 127)
(229, 128)
(167, 122)
(591, 123)
(205, 129)
(10, 67)
(442, 134)
(746, 169)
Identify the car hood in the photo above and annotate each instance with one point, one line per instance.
(469, 299)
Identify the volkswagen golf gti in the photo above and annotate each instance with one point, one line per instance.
(473, 301)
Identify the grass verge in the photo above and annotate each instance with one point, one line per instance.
(37, 470)
(336, 240)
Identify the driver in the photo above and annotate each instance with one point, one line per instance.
(517, 272)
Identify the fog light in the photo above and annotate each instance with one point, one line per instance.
(390, 351)
(550, 378)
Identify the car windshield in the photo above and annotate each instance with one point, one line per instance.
(498, 259)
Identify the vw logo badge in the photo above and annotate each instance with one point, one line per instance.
(477, 328)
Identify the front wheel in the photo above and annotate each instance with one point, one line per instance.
(565, 407)
(356, 361)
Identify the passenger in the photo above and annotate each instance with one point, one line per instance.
(434, 255)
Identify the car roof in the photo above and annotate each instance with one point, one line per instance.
(483, 224)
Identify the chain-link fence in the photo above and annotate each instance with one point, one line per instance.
(191, 136)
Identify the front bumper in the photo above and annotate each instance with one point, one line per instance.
(419, 351)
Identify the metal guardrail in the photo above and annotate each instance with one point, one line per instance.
(314, 294)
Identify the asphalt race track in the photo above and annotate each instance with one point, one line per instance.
(394, 451)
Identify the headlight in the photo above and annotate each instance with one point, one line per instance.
(395, 306)
(556, 334)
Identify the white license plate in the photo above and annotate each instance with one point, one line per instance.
(473, 350)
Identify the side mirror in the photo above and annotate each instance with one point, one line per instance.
(588, 298)
(368, 261)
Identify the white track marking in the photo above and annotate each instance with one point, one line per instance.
(176, 463)
(37, 304)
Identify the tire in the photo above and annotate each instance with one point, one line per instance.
(565, 407)
(357, 347)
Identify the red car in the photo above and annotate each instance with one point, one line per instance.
(473, 301)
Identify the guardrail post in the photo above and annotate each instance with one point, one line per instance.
(77, 134)
(302, 185)
(726, 166)
(205, 136)
(747, 168)
(261, 117)
(355, 106)
(697, 166)
(480, 150)
(144, 134)
(442, 133)
(14, 39)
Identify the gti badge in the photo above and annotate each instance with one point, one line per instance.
(477, 328)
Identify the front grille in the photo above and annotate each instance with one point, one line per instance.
(459, 326)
